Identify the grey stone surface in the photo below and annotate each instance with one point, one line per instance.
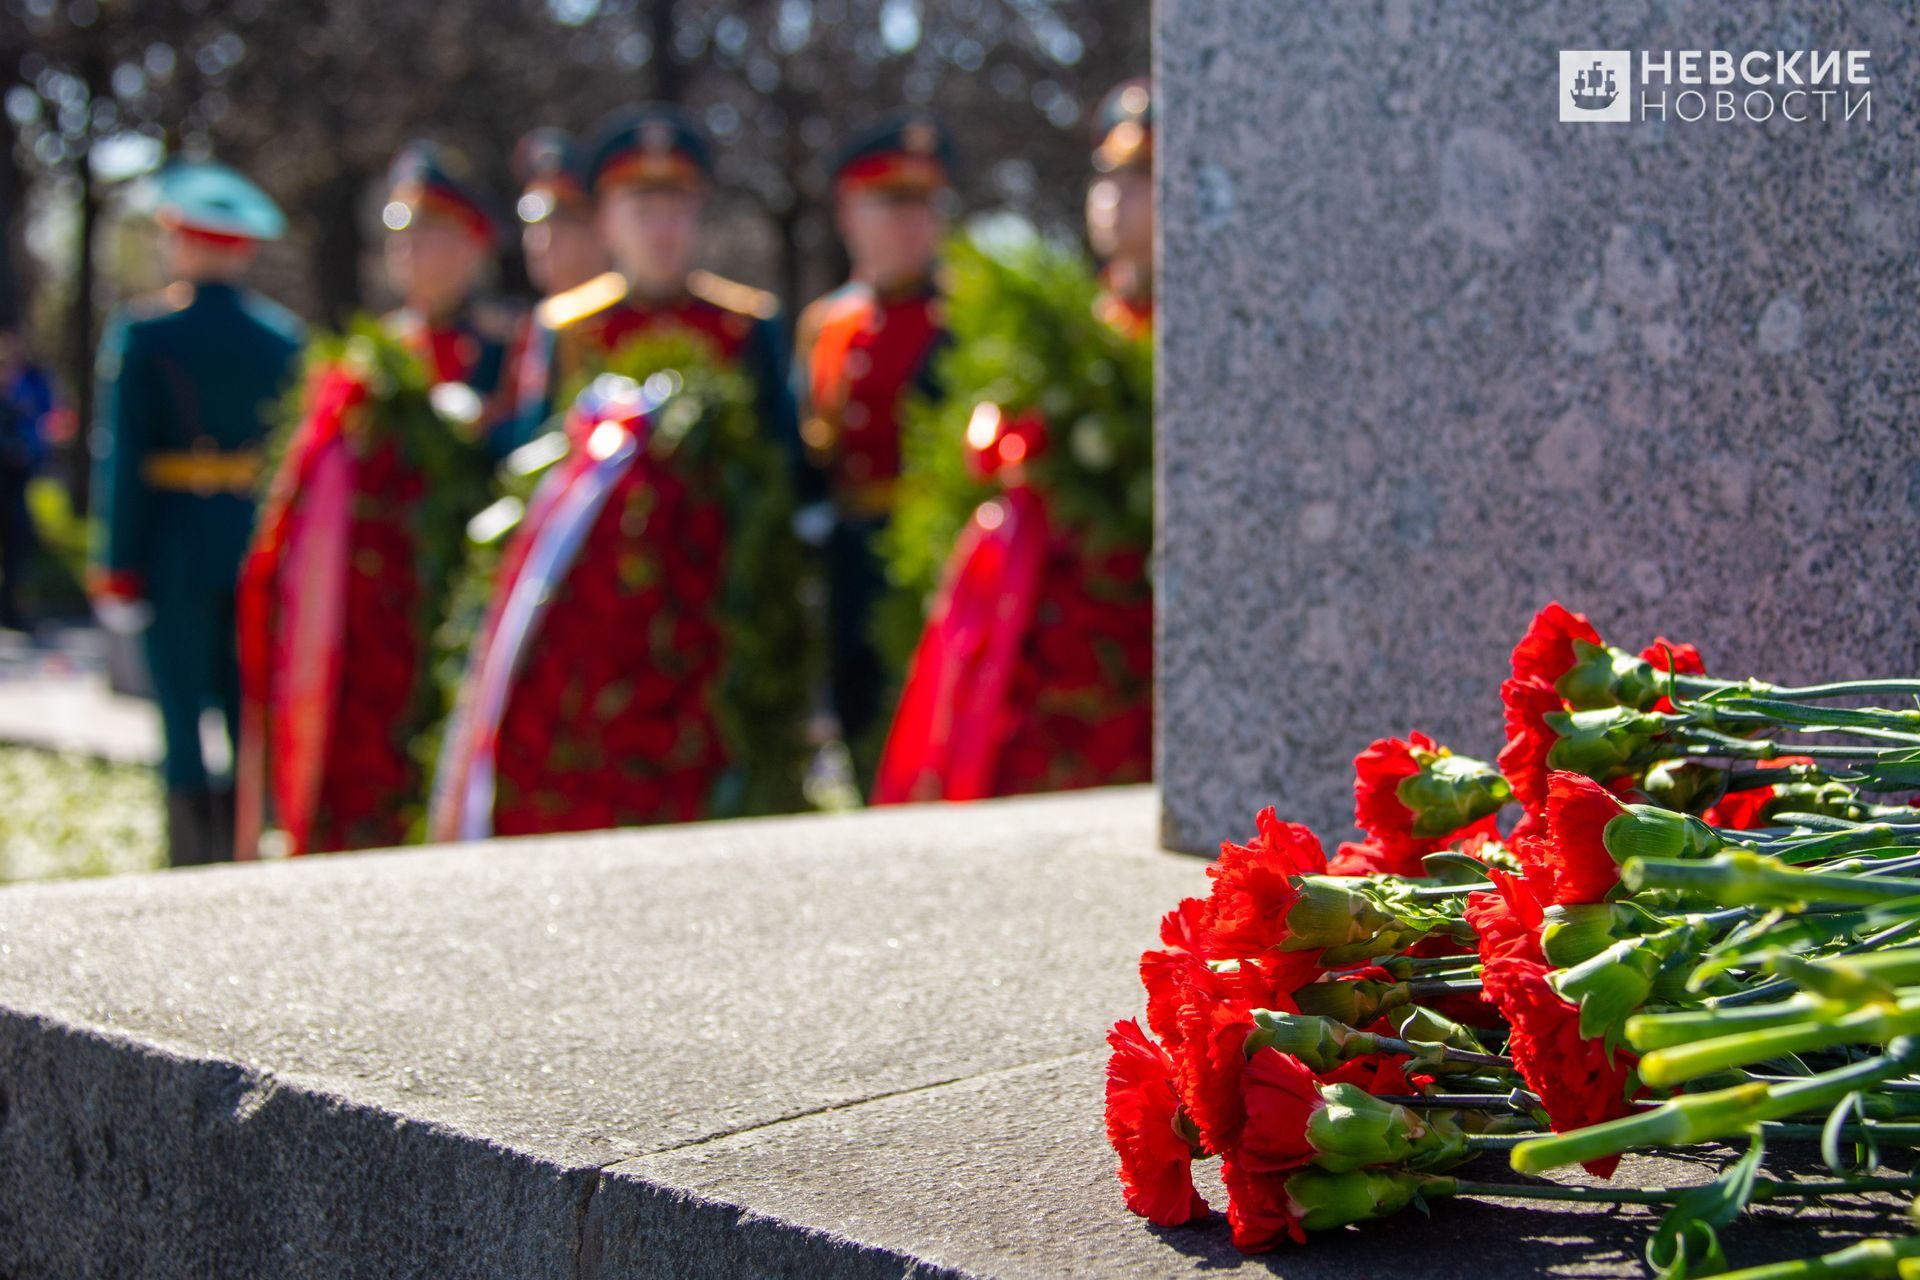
(1430, 358)
(864, 1046)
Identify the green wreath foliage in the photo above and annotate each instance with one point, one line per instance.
(1020, 312)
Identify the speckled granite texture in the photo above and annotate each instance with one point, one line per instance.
(1430, 358)
(861, 1047)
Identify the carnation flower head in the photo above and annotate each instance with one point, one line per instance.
(1156, 1161)
(1546, 651)
(1253, 887)
(1579, 1080)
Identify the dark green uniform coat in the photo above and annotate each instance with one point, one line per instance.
(190, 384)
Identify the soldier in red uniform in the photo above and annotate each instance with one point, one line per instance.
(557, 235)
(442, 234)
(649, 171)
(862, 350)
(1035, 670)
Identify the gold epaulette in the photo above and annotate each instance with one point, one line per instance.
(865, 499)
(731, 295)
(564, 310)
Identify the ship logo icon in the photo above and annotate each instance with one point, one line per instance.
(1596, 85)
(1594, 89)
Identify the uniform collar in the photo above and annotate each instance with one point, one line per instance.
(919, 288)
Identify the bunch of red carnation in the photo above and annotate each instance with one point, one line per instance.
(1678, 913)
(1428, 948)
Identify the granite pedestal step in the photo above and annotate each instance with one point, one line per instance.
(859, 1046)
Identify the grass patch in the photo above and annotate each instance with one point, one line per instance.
(73, 815)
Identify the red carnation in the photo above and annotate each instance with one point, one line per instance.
(1366, 858)
(1377, 807)
(1208, 1063)
(1572, 856)
(1747, 809)
(1393, 846)
(1253, 888)
(1545, 652)
(1259, 1209)
(1579, 1080)
(1675, 656)
(1281, 1094)
(1507, 921)
(1377, 1073)
(1177, 979)
(1529, 701)
(1156, 1164)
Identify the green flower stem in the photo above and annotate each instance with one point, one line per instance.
(1894, 967)
(1806, 719)
(1705, 742)
(1663, 1030)
(1445, 1053)
(1675, 1064)
(1885, 1086)
(1497, 1141)
(1697, 685)
(1765, 1190)
(1443, 1186)
(1893, 1133)
(1403, 967)
(1868, 1260)
(1768, 990)
(1747, 879)
(1518, 1101)
(1423, 988)
(1823, 840)
(1701, 1117)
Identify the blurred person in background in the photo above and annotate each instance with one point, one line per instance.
(650, 172)
(557, 235)
(26, 402)
(1120, 206)
(860, 352)
(190, 382)
(1034, 671)
(442, 235)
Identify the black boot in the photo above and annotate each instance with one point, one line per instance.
(220, 824)
(188, 817)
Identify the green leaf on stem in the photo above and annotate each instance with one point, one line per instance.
(1687, 1242)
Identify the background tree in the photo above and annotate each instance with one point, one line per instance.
(312, 101)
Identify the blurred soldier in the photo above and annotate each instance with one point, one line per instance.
(26, 402)
(649, 170)
(442, 235)
(190, 380)
(1035, 669)
(1120, 207)
(557, 234)
(861, 351)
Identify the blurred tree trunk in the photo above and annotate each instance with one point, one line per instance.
(337, 249)
(13, 222)
(93, 72)
(669, 73)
